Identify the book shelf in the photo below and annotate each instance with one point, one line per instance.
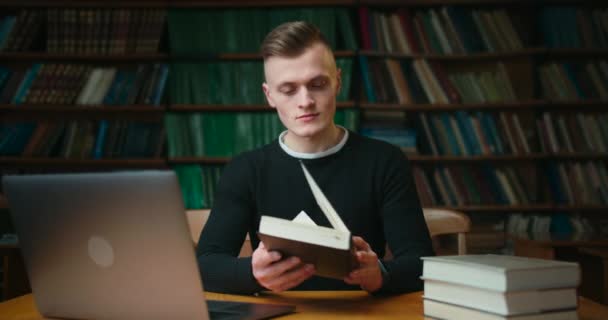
(193, 112)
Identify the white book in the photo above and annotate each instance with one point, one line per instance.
(502, 303)
(440, 310)
(329, 249)
(501, 272)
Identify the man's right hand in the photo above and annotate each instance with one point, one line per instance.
(278, 275)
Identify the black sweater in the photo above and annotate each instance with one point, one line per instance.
(368, 182)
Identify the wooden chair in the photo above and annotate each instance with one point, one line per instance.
(442, 221)
(196, 222)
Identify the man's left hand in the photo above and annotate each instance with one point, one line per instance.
(368, 275)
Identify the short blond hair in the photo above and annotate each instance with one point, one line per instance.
(290, 39)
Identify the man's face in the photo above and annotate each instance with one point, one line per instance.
(303, 89)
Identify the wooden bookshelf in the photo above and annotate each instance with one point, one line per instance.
(521, 68)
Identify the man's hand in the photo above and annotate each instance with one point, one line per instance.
(368, 275)
(278, 275)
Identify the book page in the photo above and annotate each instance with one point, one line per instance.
(303, 218)
(323, 203)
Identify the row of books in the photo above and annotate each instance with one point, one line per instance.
(572, 132)
(473, 185)
(402, 137)
(574, 80)
(104, 31)
(82, 139)
(198, 184)
(475, 133)
(499, 287)
(578, 182)
(80, 84)
(422, 81)
(225, 134)
(20, 32)
(572, 27)
(445, 30)
(231, 82)
(547, 226)
(211, 31)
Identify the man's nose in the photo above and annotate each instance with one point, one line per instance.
(305, 98)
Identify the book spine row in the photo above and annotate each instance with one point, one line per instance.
(20, 32)
(478, 133)
(83, 139)
(444, 30)
(198, 184)
(79, 84)
(420, 81)
(474, 185)
(572, 81)
(225, 134)
(240, 31)
(104, 31)
(573, 183)
(573, 132)
(572, 27)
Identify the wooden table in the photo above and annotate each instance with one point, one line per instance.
(316, 305)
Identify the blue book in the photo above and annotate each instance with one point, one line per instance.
(160, 88)
(6, 26)
(468, 133)
(26, 83)
(101, 139)
(367, 82)
(450, 134)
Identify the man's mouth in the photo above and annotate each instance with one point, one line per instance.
(307, 116)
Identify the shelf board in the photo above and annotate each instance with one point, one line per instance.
(416, 159)
(523, 105)
(240, 56)
(564, 156)
(576, 52)
(63, 163)
(535, 208)
(41, 57)
(239, 107)
(28, 108)
(263, 3)
(198, 160)
(426, 3)
(84, 4)
(456, 57)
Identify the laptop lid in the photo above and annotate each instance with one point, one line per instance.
(107, 245)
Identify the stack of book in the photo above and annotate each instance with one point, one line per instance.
(494, 287)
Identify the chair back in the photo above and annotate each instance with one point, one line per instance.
(196, 221)
(443, 221)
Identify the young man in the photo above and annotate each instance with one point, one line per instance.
(368, 182)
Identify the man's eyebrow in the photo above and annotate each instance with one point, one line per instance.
(285, 84)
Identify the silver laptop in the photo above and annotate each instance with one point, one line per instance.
(112, 246)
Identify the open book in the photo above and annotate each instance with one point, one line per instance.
(329, 249)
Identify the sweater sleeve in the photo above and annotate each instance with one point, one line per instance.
(225, 231)
(404, 226)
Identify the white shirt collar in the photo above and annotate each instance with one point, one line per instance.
(315, 155)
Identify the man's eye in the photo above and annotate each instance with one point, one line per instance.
(319, 84)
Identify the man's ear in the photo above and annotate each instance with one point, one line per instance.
(267, 94)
